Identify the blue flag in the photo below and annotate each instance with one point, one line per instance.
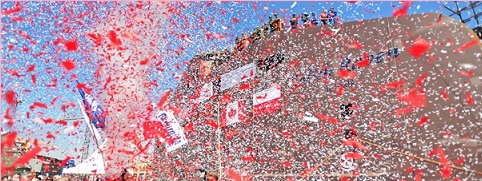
(93, 110)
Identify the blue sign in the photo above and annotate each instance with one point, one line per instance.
(348, 64)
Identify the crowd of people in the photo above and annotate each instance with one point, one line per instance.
(273, 25)
(125, 176)
(18, 177)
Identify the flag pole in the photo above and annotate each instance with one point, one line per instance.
(94, 132)
(219, 141)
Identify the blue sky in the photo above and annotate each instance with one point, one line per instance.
(44, 30)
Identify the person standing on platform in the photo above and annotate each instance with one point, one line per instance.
(294, 22)
(324, 17)
(332, 15)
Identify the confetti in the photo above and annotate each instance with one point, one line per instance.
(419, 47)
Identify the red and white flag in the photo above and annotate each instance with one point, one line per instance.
(233, 113)
(267, 101)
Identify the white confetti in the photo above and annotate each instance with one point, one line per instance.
(294, 4)
(69, 129)
(311, 119)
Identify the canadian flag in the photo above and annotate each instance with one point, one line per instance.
(267, 101)
(233, 113)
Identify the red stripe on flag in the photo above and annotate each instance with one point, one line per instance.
(267, 107)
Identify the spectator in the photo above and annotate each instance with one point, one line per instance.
(305, 19)
(294, 22)
(125, 176)
(212, 176)
(314, 19)
(332, 15)
(16, 177)
(265, 29)
(57, 178)
(324, 17)
(271, 24)
(256, 34)
(237, 40)
(5, 178)
(279, 22)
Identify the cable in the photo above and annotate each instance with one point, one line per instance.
(323, 161)
(421, 158)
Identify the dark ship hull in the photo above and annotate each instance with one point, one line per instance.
(440, 91)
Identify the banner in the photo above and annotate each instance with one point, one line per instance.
(233, 113)
(90, 125)
(267, 101)
(93, 109)
(206, 92)
(234, 77)
(175, 137)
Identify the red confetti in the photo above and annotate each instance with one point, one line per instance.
(340, 91)
(329, 119)
(212, 124)
(345, 74)
(37, 105)
(403, 10)
(355, 144)
(11, 98)
(243, 86)
(48, 120)
(444, 95)
(247, 158)
(415, 98)
(17, 9)
(189, 127)
(71, 45)
(418, 175)
(96, 38)
(27, 156)
(411, 169)
(286, 134)
(61, 122)
(144, 62)
(377, 156)
(233, 175)
(421, 79)
(354, 155)
(10, 139)
(469, 98)
(460, 161)
(164, 98)
(422, 121)
(365, 61)
(235, 20)
(468, 45)
(34, 79)
(30, 68)
(446, 171)
(394, 85)
(356, 45)
(467, 74)
(50, 136)
(419, 47)
(113, 38)
(68, 64)
(65, 161)
(326, 32)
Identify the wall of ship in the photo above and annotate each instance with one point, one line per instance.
(307, 65)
